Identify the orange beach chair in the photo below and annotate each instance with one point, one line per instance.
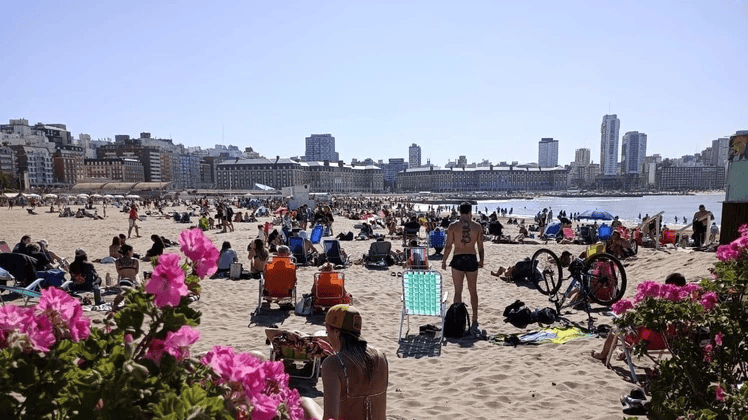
(278, 283)
(329, 290)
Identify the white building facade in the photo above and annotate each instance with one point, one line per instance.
(609, 145)
(414, 156)
(633, 152)
(548, 153)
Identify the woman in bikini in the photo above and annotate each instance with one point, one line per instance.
(127, 266)
(258, 257)
(355, 378)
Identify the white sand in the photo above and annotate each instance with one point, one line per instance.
(469, 379)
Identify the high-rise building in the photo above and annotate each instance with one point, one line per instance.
(719, 151)
(633, 152)
(548, 153)
(609, 145)
(320, 147)
(582, 157)
(414, 156)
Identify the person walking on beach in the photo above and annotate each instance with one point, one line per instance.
(465, 236)
(133, 221)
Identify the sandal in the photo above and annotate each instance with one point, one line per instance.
(399, 274)
(393, 274)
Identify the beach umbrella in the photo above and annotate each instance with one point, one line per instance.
(82, 195)
(132, 196)
(32, 195)
(119, 196)
(108, 196)
(50, 195)
(10, 195)
(596, 215)
(96, 196)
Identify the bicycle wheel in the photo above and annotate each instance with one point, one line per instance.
(546, 271)
(605, 279)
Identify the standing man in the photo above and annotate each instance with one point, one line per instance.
(701, 221)
(465, 235)
(133, 220)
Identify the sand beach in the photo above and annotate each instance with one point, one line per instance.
(463, 379)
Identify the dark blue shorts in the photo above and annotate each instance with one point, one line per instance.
(465, 262)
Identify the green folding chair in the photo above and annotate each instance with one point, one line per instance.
(423, 296)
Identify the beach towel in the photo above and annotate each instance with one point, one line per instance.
(559, 335)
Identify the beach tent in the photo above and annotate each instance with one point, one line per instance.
(10, 195)
(132, 196)
(108, 196)
(119, 196)
(32, 196)
(552, 229)
(82, 195)
(97, 196)
(596, 215)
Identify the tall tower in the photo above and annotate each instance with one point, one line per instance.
(548, 153)
(609, 145)
(582, 157)
(320, 147)
(414, 156)
(633, 152)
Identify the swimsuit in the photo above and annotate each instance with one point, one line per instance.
(465, 262)
(368, 412)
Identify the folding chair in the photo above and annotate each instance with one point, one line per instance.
(4, 247)
(423, 296)
(437, 237)
(329, 290)
(317, 232)
(378, 253)
(416, 258)
(32, 291)
(604, 232)
(297, 249)
(568, 233)
(626, 339)
(333, 252)
(278, 282)
(301, 354)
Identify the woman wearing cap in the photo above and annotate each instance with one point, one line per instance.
(355, 378)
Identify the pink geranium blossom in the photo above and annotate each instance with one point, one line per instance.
(729, 252)
(743, 229)
(155, 351)
(709, 300)
(622, 306)
(178, 343)
(719, 394)
(65, 313)
(200, 249)
(647, 289)
(167, 281)
(21, 326)
(718, 339)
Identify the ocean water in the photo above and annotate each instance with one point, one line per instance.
(626, 208)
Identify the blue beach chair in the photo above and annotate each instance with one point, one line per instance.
(297, 249)
(437, 237)
(316, 236)
(604, 232)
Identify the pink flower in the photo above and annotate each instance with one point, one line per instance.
(689, 291)
(647, 289)
(718, 339)
(264, 407)
(743, 230)
(719, 393)
(167, 281)
(729, 252)
(23, 327)
(622, 306)
(198, 248)
(670, 292)
(178, 343)
(155, 351)
(709, 300)
(65, 313)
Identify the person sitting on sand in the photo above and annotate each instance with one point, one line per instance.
(226, 258)
(85, 278)
(51, 256)
(523, 233)
(619, 247)
(157, 248)
(114, 252)
(355, 378)
(127, 266)
(258, 257)
(675, 279)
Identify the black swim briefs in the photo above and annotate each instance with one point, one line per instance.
(465, 262)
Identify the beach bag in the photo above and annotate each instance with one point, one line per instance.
(235, 271)
(524, 271)
(305, 305)
(518, 314)
(457, 320)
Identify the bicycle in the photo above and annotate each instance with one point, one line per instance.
(601, 279)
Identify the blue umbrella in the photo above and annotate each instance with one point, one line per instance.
(596, 214)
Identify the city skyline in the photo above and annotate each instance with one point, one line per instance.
(427, 81)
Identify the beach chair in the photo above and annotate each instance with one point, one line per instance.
(32, 291)
(625, 341)
(302, 354)
(416, 258)
(378, 253)
(568, 233)
(668, 237)
(333, 253)
(329, 290)
(586, 235)
(604, 232)
(4, 247)
(422, 296)
(21, 266)
(437, 237)
(278, 283)
(297, 249)
(316, 235)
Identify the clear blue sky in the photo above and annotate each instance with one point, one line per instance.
(482, 79)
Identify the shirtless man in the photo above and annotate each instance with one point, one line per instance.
(465, 235)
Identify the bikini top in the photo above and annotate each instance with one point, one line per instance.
(369, 414)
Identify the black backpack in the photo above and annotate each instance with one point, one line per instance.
(457, 321)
